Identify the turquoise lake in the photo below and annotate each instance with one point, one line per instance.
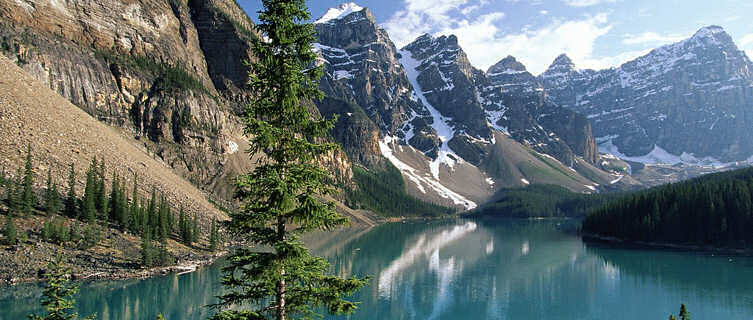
(463, 269)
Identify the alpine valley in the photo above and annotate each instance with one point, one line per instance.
(169, 74)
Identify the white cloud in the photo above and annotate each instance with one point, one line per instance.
(586, 3)
(746, 41)
(607, 62)
(485, 42)
(652, 38)
(423, 16)
(544, 12)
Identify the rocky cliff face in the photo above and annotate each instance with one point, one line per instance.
(168, 72)
(516, 102)
(437, 118)
(685, 102)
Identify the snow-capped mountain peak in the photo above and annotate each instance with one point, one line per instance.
(684, 97)
(339, 12)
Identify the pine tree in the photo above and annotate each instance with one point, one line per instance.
(195, 230)
(163, 223)
(88, 203)
(27, 198)
(284, 188)
(70, 200)
(9, 232)
(213, 236)
(57, 298)
(14, 200)
(183, 227)
(684, 314)
(100, 194)
(124, 204)
(151, 214)
(133, 211)
(147, 250)
(51, 196)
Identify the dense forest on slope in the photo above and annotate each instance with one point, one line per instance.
(716, 209)
(383, 191)
(541, 200)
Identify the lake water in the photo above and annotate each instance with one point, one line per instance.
(464, 269)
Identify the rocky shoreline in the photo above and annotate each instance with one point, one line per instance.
(116, 256)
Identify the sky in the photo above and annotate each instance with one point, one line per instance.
(595, 34)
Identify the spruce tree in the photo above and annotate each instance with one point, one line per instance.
(684, 314)
(9, 232)
(285, 188)
(114, 201)
(124, 204)
(14, 197)
(57, 298)
(70, 200)
(183, 227)
(100, 194)
(147, 250)
(151, 214)
(195, 229)
(88, 203)
(27, 198)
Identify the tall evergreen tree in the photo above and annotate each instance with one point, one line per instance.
(283, 190)
(100, 194)
(51, 196)
(57, 298)
(27, 198)
(195, 229)
(70, 199)
(14, 192)
(88, 202)
(9, 232)
(147, 249)
(184, 227)
(133, 211)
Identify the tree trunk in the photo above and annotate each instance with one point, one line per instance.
(281, 296)
(281, 284)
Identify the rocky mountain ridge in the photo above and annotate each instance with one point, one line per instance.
(437, 118)
(686, 102)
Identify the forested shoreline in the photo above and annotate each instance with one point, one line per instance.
(714, 210)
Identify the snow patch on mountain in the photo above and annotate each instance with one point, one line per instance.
(440, 124)
(339, 12)
(422, 181)
(659, 156)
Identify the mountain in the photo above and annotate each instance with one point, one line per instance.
(168, 73)
(456, 133)
(687, 102)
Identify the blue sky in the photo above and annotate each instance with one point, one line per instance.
(594, 33)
